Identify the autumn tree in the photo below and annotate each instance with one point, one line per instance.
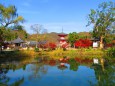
(101, 19)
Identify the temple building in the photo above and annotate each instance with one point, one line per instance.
(62, 40)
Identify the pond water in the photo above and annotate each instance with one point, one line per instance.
(49, 72)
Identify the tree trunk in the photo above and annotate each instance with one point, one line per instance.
(0, 49)
(102, 63)
(36, 44)
(101, 42)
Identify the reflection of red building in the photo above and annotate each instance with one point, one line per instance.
(62, 40)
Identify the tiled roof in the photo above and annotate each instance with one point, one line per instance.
(34, 42)
(62, 33)
(18, 40)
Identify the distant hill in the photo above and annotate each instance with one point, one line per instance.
(53, 36)
(84, 34)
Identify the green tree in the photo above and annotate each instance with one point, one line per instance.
(7, 34)
(16, 35)
(20, 31)
(25, 35)
(102, 18)
(113, 28)
(1, 39)
(8, 15)
(72, 37)
(18, 27)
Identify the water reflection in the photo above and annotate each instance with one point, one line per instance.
(62, 67)
(37, 70)
(105, 74)
(18, 82)
(73, 65)
(42, 71)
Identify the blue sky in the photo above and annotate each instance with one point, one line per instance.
(55, 14)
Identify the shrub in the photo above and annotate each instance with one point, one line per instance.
(36, 49)
(111, 52)
(64, 49)
(109, 45)
(83, 43)
(50, 45)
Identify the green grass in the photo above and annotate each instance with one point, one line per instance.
(60, 53)
(21, 53)
(82, 53)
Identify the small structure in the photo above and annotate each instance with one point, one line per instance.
(13, 44)
(95, 42)
(62, 40)
(6, 44)
(18, 42)
(33, 43)
(95, 61)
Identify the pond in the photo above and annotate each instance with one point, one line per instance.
(50, 72)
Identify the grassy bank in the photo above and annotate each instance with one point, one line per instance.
(82, 53)
(21, 53)
(58, 53)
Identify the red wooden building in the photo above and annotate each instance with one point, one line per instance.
(62, 40)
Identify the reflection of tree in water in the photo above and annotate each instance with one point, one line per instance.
(73, 65)
(38, 70)
(18, 82)
(105, 77)
(4, 68)
(62, 67)
(3, 78)
(24, 67)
